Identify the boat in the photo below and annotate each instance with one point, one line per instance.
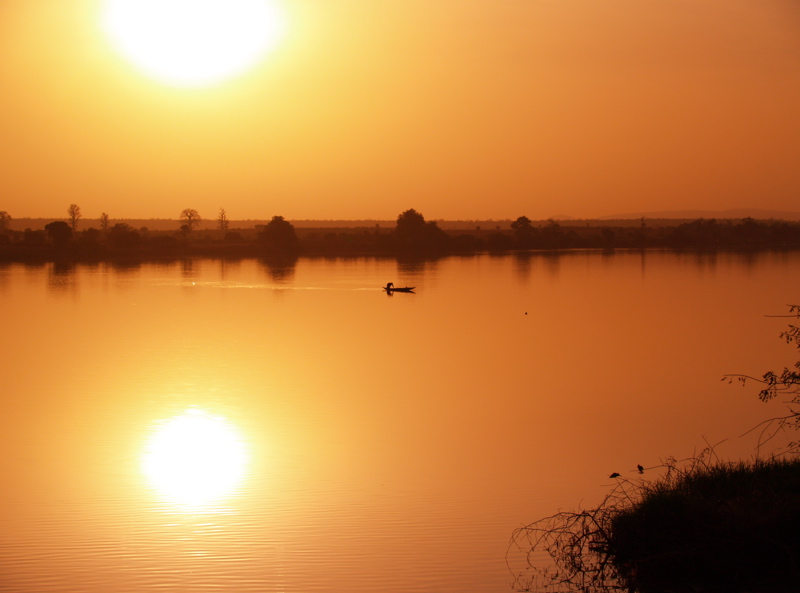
(390, 288)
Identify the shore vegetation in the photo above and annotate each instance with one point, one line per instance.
(409, 236)
(703, 525)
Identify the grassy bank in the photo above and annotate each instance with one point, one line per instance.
(700, 528)
(724, 527)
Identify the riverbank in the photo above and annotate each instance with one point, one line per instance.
(724, 527)
(706, 527)
(125, 241)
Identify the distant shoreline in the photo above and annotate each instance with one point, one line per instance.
(126, 241)
(655, 219)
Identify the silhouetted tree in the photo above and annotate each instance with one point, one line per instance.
(785, 383)
(191, 219)
(104, 221)
(278, 236)
(34, 238)
(123, 236)
(87, 242)
(552, 235)
(751, 233)
(413, 234)
(222, 220)
(59, 232)
(523, 231)
(74, 212)
(700, 233)
(5, 220)
(523, 223)
(410, 223)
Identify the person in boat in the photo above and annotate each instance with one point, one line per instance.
(389, 285)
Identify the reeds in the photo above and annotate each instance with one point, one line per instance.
(704, 526)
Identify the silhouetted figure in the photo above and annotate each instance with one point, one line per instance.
(390, 288)
(614, 475)
(640, 468)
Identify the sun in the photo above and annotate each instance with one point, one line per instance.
(195, 459)
(193, 43)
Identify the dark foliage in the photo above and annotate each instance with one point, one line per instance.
(123, 237)
(703, 527)
(784, 383)
(60, 233)
(524, 232)
(717, 528)
(412, 236)
(279, 237)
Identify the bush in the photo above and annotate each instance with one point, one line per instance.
(701, 527)
(724, 527)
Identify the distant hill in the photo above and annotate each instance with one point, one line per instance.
(735, 213)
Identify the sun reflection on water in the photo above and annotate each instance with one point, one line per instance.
(195, 460)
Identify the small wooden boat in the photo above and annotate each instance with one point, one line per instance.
(390, 287)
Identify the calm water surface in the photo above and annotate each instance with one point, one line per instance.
(219, 426)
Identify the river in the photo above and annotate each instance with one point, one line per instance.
(233, 426)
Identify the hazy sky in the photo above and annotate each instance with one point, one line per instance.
(462, 109)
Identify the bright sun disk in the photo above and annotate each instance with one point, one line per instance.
(193, 42)
(195, 459)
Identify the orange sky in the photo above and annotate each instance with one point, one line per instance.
(462, 109)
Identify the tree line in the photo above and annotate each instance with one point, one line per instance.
(411, 235)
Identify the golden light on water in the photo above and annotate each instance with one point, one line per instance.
(193, 42)
(195, 459)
